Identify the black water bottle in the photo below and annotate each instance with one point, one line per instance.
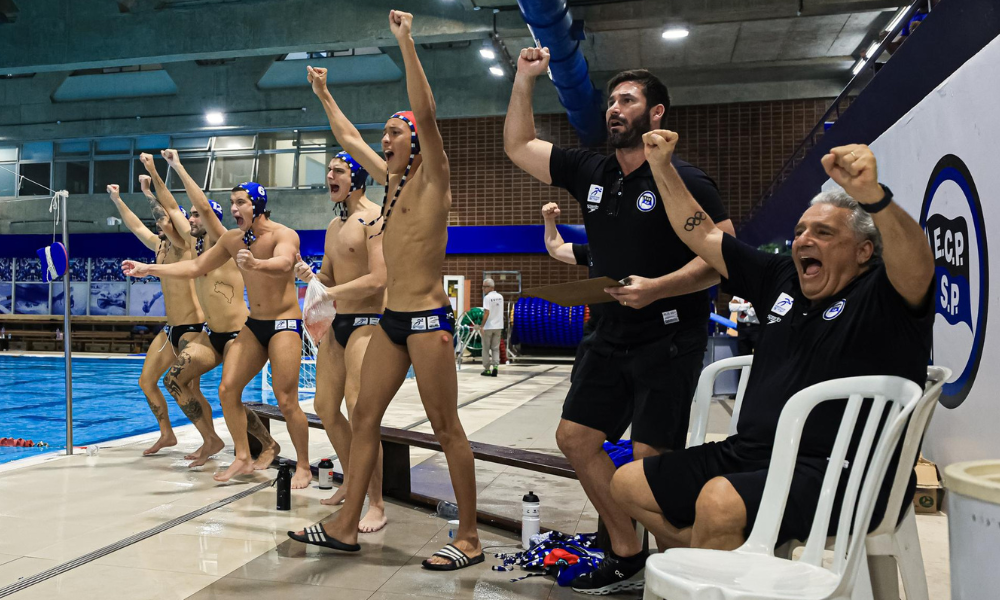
(284, 483)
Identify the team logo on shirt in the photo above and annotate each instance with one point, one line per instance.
(834, 311)
(783, 304)
(595, 194)
(952, 218)
(646, 201)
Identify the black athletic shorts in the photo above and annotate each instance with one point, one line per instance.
(176, 332)
(648, 386)
(344, 325)
(676, 479)
(400, 325)
(219, 339)
(264, 330)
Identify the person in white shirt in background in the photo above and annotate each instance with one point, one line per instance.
(743, 313)
(492, 327)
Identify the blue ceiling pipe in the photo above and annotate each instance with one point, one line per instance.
(551, 24)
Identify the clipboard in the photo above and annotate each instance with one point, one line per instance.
(575, 293)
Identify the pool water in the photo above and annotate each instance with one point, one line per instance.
(107, 401)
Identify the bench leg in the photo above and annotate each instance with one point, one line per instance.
(396, 470)
(255, 445)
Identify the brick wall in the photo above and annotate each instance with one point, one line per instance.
(741, 146)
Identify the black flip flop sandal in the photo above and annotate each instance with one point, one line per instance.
(315, 535)
(459, 559)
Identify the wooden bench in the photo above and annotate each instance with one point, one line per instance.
(396, 461)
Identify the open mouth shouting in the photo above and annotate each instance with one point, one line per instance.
(810, 266)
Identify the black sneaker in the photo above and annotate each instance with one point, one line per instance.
(494, 373)
(615, 574)
(485, 373)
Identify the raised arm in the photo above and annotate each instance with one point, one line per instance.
(346, 133)
(147, 237)
(199, 200)
(210, 260)
(286, 250)
(421, 100)
(519, 142)
(166, 201)
(367, 285)
(909, 261)
(691, 224)
(554, 243)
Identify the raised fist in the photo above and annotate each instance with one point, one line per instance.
(854, 169)
(551, 211)
(144, 181)
(317, 77)
(533, 61)
(400, 23)
(114, 191)
(658, 146)
(170, 155)
(147, 161)
(245, 260)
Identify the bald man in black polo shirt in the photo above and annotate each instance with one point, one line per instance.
(853, 299)
(642, 364)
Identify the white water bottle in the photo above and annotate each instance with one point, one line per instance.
(530, 523)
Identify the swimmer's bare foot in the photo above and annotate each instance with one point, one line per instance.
(471, 547)
(373, 520)
(302, 478)
(337, 497)
(239, 467)
(165, 441)
(266, 457)
(196, 454)
(211, 447)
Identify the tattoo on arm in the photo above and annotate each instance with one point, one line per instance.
(694, 220)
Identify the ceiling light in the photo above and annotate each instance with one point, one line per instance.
(675, 33)
(496, 70)
(215, 118)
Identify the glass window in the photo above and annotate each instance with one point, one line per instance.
(197, 168)
(7, 178)
(313, 168)
(39, 176)
(37, 151)
(190, 143)
(72, 176)
(73, 148)
(107, 172)
(315, 139)
(275, 140)
(8, 152)
(276, 170)
(114, 146)
(230, 171)
(152, 142)
(139, 169)
(234, 142)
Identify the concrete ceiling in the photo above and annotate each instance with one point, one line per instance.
(737, 50)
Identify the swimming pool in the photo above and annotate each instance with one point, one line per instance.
(107, 401)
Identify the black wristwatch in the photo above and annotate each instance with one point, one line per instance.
(881, 204)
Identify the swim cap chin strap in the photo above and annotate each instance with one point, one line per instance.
(258, 196)
(406, 117)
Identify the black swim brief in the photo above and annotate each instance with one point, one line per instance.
(401, 325)
(265, 330)
(219, 339)
(345, 324)
(176, 332)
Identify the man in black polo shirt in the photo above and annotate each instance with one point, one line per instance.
(642, 364)
(853, 299)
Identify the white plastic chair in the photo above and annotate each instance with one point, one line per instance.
(890, 545)
(752, 572)
(706, 389)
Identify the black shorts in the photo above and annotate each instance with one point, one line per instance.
(648, 386)
(345, 325)
(265, 330)
(676, 479)
(176, 332)
(401, 325)
(219, 339)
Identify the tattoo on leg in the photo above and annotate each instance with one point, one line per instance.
(694, 220)
(181, 345)
(256, 428)
(193, 410)
(159, 412)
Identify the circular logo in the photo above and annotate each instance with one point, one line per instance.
(926, 501)
(834, 311)
(646, 202)
(952, 218)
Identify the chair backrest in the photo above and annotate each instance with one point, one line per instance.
(936, 378)
(706, 389)
(893, 398)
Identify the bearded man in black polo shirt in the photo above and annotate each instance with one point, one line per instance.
(641, 365)
(853, 299)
